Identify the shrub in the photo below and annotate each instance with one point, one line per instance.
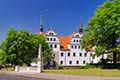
(60, 67)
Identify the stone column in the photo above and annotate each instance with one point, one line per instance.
(40, 63)
(16, 68)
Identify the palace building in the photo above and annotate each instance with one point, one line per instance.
(68, 49)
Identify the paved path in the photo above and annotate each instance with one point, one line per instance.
(46, 76)
(14, 77)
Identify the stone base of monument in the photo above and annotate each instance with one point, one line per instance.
(27, 69)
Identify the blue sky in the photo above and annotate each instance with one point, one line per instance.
(62, 15)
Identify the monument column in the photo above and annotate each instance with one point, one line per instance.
(40, 63)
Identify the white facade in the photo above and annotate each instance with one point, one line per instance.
(73, 54)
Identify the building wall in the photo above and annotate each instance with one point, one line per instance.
(75, 56)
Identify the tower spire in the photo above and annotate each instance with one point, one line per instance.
(81, 26)
(41, 25)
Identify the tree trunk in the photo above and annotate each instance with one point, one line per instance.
(114, 57)
(113, 46)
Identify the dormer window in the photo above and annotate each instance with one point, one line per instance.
(77, 35)
(51, 33)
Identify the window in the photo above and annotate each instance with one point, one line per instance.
(68, 54)
(70, 62)
(85, 54)
(77, 40)
(47, 39)
(61, 54)
(61, 62)
(75, 47)
(84, 62)
(91, 54)
(51, 45)
(50, 39)
(55, 46)
(54, 39)
(74, 41)
(77, 35)
(77, 62)
(72, 47)
(73, 54)
(80, 54)
(51, 33)
(79, 47)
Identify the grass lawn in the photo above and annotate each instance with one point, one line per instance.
(87, 72)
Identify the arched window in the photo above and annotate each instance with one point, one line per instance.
(80, 54)
(68, 54)
(75, 47)
(72, 46)
(70, 62)
(74, 54)
(54, 39)
(85, 54)
(77, 62)
(61, 62)
(73, 40)
(50, 39)
(55, 46)
(91, 54)
(77, 40)
(61, 54)
(79, 47)
(84, 62)
(52, 34)
(51, 45)
(47, 39)
(77, 35)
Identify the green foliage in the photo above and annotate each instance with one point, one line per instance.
(46, 50)
(103, 30)
(60, 67)
(8, 69)
(21, 47)
(87, 66)
(110, 57)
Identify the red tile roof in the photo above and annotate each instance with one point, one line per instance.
(89, 49)
(64, 41)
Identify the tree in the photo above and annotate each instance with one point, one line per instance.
(103, 30)
(37, 39)
(21, 47)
